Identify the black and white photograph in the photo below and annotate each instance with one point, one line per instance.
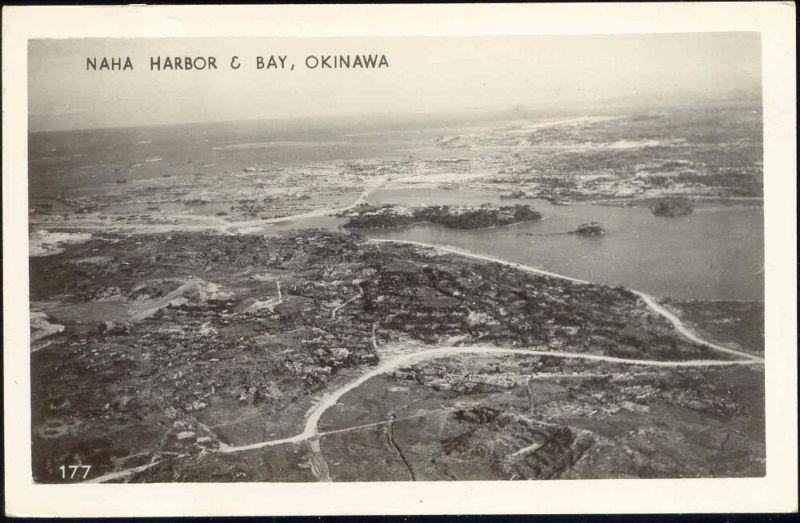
(502, 258)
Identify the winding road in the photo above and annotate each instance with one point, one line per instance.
(348, 302)
(329, 400)
(249, 227)
(199, 223)
(310, 434)
(649, 300)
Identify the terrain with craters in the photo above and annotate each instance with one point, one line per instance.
(322, 356)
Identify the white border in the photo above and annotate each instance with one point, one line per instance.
(776, 492)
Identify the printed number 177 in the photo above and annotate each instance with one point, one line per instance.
(73, 470)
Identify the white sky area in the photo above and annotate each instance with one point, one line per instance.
(425, 75)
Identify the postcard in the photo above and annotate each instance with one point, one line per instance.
(399, 259)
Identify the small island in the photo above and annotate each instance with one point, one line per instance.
(390, 216)
(671, 207)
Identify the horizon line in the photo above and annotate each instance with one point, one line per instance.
(484, 111)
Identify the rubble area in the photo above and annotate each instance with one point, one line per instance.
(163, 352)
(530, 417)
(716, 152)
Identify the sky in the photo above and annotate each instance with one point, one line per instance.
(425, 75)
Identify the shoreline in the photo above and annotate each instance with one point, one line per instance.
(649, 300)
